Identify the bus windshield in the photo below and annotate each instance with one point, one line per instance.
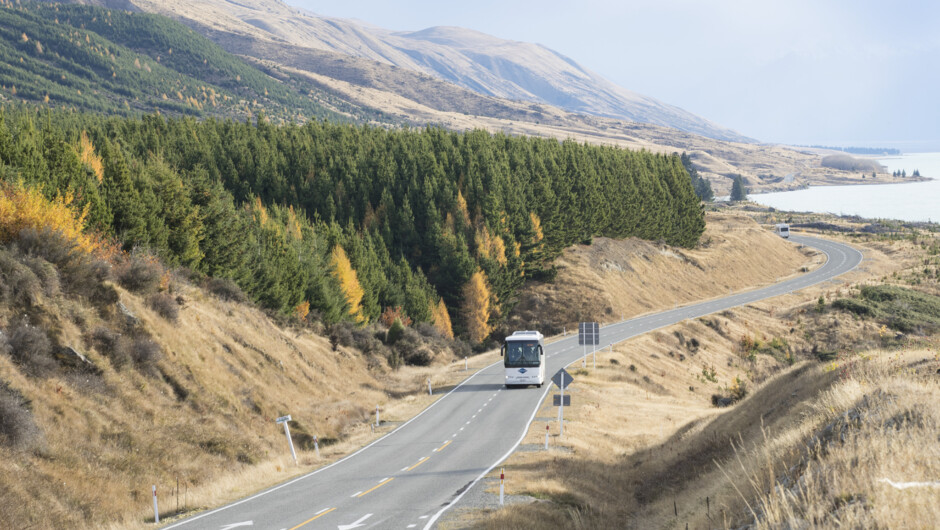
(522, 353)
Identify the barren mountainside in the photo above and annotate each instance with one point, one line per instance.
(481, 63)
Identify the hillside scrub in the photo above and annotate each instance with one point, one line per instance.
(105, 390)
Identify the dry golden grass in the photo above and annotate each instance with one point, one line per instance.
(643, 441)
(206, 417)
(611, 279)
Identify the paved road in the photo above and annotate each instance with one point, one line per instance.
(410, 477)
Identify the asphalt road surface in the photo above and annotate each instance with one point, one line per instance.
(411, 476)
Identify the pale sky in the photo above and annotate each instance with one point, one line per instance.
(833, 72)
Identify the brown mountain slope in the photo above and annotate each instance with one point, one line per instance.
(476, 61)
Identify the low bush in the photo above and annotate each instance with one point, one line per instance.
(19, 285)
(31, 348)
(140, 273)
(112, 345)
(18, 429)
(226, 289)
(165, 305)
(146, 354)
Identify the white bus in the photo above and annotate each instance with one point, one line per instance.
(524, 358)
(782, 230)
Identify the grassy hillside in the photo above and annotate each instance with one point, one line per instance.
(116, 62)
(177, 379)
(791, 411)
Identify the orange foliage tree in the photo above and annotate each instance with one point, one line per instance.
(476, 307)
(348, 281)
(391, 314)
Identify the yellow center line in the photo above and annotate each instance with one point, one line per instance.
(423, 460)
(441, 448)
(384, 482)
(317, 516)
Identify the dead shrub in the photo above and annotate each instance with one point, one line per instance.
(31, 348)
(226, 289)
(18, 429)
(20, 286)
(146, 354)
(112, 345)
(140, 273)
(165, 306)
(80, 273)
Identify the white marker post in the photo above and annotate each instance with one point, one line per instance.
(502, 476)
(466, 365)
(316, 446)
(284, 420)
(561, 408)
(429, 387)
(156, 512)
(377, 422)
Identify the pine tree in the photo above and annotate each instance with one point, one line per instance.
(738, 191)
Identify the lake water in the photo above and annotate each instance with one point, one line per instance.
(916, 201)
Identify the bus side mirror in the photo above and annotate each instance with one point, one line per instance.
(502, 350)
(541, 351)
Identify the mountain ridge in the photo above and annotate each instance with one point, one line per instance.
(536, 73)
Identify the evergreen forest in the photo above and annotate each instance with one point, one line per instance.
(346, 220)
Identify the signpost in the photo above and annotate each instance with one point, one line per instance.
(284, 420)
(562, 379)
(588, 333)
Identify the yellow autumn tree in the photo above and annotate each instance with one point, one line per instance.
(537, 228)
(88, 156)
(348, 281)
(22, 207)
(441, 319)
(476, 307)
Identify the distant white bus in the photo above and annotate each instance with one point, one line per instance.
(524, 359)
(782, 230)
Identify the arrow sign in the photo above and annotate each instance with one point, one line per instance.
(557, 378)
(236, 525)
(357, 524)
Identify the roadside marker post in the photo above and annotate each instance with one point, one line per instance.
(466, 365)
(546, 437)
(377, 422)
(316, 446)
(283, 420)
(429, 387)
(561, 409)
(156, 512)
(562, 379)
(502, 476)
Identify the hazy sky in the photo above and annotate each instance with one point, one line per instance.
(833, 72)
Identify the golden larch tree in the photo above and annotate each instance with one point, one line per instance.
(476, 307)
(348, 281)
(441, 319)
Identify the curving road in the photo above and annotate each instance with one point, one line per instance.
(411, 476)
